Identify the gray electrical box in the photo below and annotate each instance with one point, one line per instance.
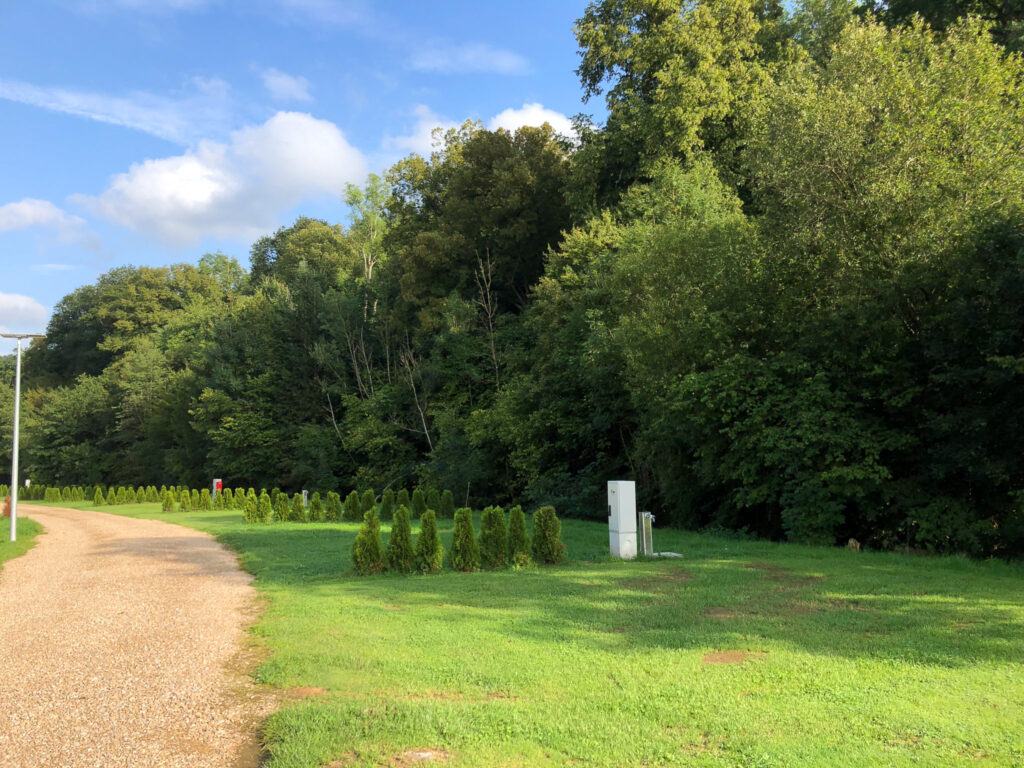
(622, 518)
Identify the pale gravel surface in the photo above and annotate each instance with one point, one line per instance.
(122, 643)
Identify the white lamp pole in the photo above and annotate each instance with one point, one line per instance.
(17, 419)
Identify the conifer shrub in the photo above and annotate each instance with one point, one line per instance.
(249, 510)
(366, 549)
(398, 556)
(433, 500)
(518, 541)
(97, 499)
(316, 507)
(129, 496)
(196, 498)
(447, 510)
(547, 536)
(368, 501)
(282, 509)
(152, 494)
(353, 507)
(52, 496)
(121, 497)
(387, 504)
(65, 494)
(168, 502)
(205, 502)
(332, 510)
(251, 492)
(264, 510)
(419, 504)
(239, 498)
(493, 538)
(186, 501)
(111, 496)
(465, 555)
(229, 498)
(274, 493)
(140, 494)
(402, 499)
(218, 500)
(298, 512)
(429, 553)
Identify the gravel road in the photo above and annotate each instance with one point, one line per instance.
(122, 643)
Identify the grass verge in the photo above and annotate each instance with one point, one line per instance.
(748, 654)
(27, 532)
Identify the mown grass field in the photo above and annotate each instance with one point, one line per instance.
(27, 532)
(745, 654)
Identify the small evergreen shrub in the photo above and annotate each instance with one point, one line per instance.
(65, 494)
(387, 504)
(274, 493)
(368, 501)
(447, 510)
(518, 541)
(205, 502)
(111, 496)
(402, 499)
(398, 556)
(153, 495)
(353, 507)
(229, 498)
(239, 497)
(434, 500)
(186, 501)
(332, 511)
(429, 552)
(97, 499)
(298, 513)
(465, 554)
(493, 538)
(264, 510)
(168, 502)
(163, 490)
(547, 536)
(129, 496)
(121, 497)
(316, 507)
(419, 504)
(218, 500)
(140, 495)
(195, 498)
(366, 549)
(282, 509)
(52, 496)
(249, 511)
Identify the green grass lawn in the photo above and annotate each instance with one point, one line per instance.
(27, 532)
(833, 658)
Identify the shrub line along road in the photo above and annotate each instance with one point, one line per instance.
(121, 642)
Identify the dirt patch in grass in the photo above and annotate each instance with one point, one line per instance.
(304, 692)
(721, 612)
(732, 657)
(659, 582)
(420, 757)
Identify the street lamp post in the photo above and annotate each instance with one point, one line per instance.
(17, 419)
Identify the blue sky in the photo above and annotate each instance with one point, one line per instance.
(153, 131)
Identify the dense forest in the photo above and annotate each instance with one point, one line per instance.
(781, 286)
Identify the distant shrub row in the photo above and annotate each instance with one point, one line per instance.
(279, 507)
(499, 545)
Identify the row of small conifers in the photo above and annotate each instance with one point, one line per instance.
(275, 506)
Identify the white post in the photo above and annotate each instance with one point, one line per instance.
(14, 451)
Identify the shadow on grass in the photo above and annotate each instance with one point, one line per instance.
(930, 611)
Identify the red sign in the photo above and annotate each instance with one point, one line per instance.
(220, 485)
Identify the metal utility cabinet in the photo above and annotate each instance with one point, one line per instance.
(622, 518)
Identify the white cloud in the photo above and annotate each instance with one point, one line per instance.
(285, 87)
(468, 58)
(534, 115)
(236, 189)
(204, 108)
(31, 213)
(421, 140)
(21, 314)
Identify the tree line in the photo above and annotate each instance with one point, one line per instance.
(780, 286)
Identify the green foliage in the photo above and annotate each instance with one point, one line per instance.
(518, 542)
(465, 554)
(186, 501)
(366, 548)
(316, 507)
(368, 501)
(433, 500)
(298, 509)
(229, 498)
(111, 496)
(353, 507)
(264, 508)
(250, 511)
(97, 499)
(429, 551)
(387, 504)
(52, 496)
(219, 502)
(398, 555)
(419, 504)
(447, 509)
(205, 502)
(402, 499)
(547, 544)
(129, 496)
(196, 498)
(493, 538)
(282, 509)
(332, 512)
(167, 501)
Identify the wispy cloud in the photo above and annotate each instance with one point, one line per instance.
(54, 267)
(421, 138)
(468, 58)
(285, 87)
(203, 109)
(234, 189)
(31, 213)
